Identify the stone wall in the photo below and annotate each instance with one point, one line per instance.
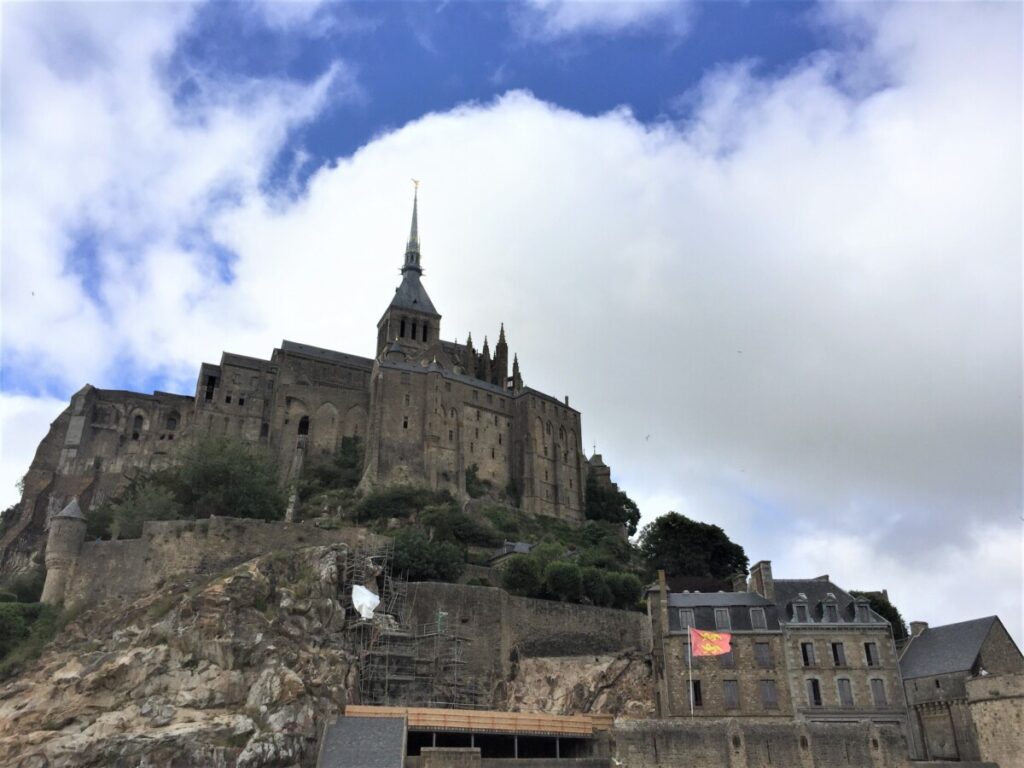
(166, 548)
(747, 743)
(503, 627)
(996, 703)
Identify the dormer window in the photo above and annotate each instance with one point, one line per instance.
(832, 613)
(863, 613)
(757, 619)
(800, 613)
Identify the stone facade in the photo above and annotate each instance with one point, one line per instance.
(963, 690)
(802, 649)
(429, 412)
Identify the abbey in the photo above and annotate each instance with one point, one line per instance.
(427, 412)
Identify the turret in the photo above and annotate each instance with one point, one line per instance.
(499, 366)
(484, 374)
(410, 319)
(64, 542)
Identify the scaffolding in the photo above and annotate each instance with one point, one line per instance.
(403, 663)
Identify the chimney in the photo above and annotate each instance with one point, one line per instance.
(761, 580)
(739, 582)
(917, 627)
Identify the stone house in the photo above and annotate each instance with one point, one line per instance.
(425, 410)
(803, 649)
(949, 676)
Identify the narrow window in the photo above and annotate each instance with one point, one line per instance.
(731, 690)
(425, 331)
(408, 399)
(453, 413)
(304, 425)
(685, 617)
(264, 430)
(545, 474)
(845, 692)
(801, 613)
(698, 701)
(471, 448)
(838, 655)
(871, 654)
(492, 453)
(769, 694)
(477, 433)
(227, 398)
(447, 386)
(211, 384)
(405, 422)
(545, 450)
(757, 618)
(878, 692)
(807, 650)
(722, 618)
(401, 328)
(478, 415)
(489, 400)
(241, 401)
(499, 439)
(832, 613)
(413, 336)
(137, 424)
(813, 693)
(763, 655)
(451, 435)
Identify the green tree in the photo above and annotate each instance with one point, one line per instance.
(684, 547)
(400, 502)
(880, 604)
(475, 486)
(339, 470)
(13, 627)
(563, 581)
(149, 501)
(523, 575)
(449, 523)
(595, 587)
(424, 560)
(625, 588)
(614, 506)
(224, 477)
(26, 586)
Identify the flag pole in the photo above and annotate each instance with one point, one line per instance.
(689, 664)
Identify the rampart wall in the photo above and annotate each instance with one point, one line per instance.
(166, 548)
(996, 703)
(502, 627)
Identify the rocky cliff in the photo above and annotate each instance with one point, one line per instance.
(241, 669)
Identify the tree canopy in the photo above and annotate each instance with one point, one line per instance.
(684, 547)
(880, 604)
(610, 504)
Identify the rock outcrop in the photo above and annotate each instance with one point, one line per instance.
(241, 670)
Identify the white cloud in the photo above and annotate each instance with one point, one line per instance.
(553, 19)
(24, 422)
(797, 314)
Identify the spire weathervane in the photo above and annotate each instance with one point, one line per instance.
(412, 249)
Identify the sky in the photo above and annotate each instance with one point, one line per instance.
(771, 251)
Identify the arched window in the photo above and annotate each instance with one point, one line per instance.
(549, 428)
(304, 425)
(172, 421)
(137, 423)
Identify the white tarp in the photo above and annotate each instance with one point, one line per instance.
(364, 601)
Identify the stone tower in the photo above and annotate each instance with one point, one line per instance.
(67, 532)
(410, 319)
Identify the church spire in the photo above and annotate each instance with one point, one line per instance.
(412, 248)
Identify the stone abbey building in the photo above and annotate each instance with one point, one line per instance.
(427, 411)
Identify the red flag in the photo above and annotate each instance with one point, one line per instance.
(705, 643)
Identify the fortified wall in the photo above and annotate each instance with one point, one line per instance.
(103, 569)
(505, 628)
(996, 703)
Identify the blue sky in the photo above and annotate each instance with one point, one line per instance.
(766, 248)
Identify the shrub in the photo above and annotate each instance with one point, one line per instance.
(400, 502)
(13, 627)
(340, 470)
(476, 487)
(523, 576)
(610, 504)
(595, 587)
(149, 501)
(450, 523)
(564, 581)
(27, 586)
(625, 588)
(478, 581)
(8, 597)
(45, 622)
(224, 477)
(424, 560)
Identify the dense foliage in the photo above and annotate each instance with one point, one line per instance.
(449, 523)
(401, 502)
(332, 471)
(684, 547)
(880, 604)
(215, 476)
(475, 486)
(552, 572)
(24, 629)
(610, 505)
(24, 587)
(421, 559)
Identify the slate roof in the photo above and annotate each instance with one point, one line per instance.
(325, 354)
(411, 295)
(363, 742)
(787, 592)
(715, 599)
(72, 510)
(942, 650)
